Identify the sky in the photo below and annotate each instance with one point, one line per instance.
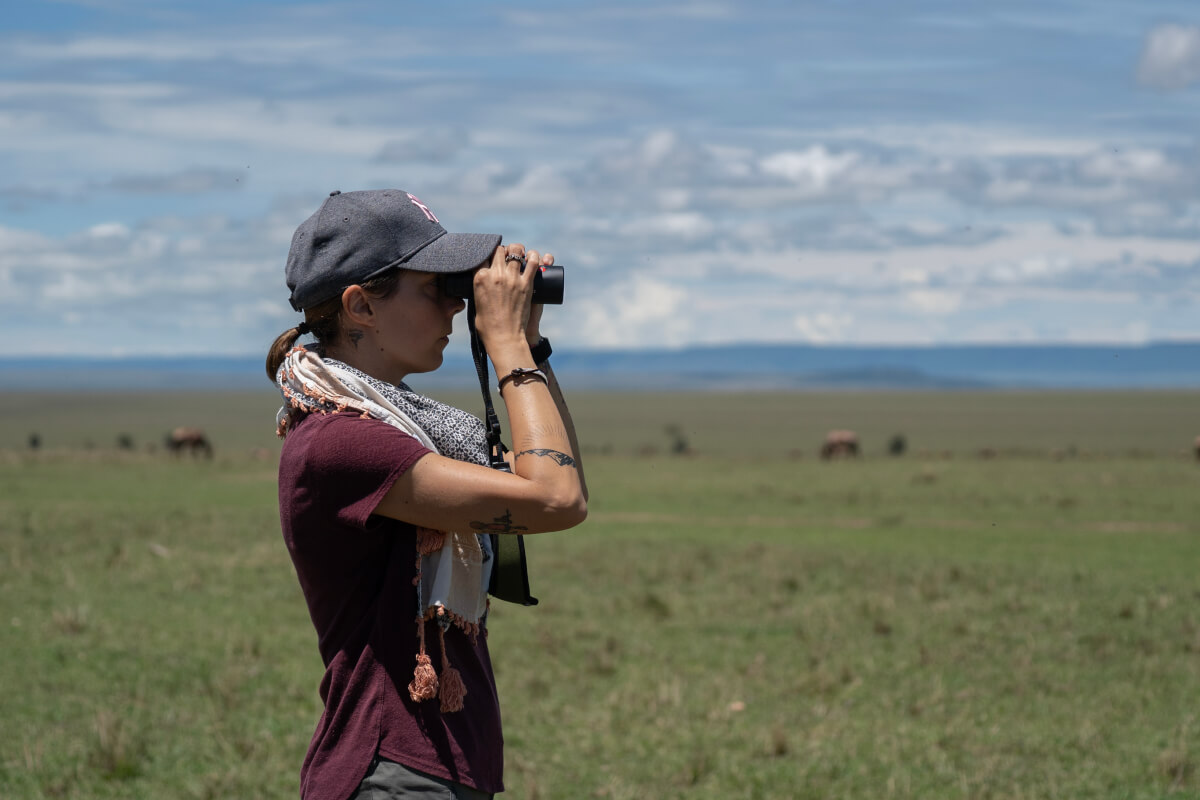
(875, 172)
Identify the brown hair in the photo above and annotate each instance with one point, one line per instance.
(324, 320)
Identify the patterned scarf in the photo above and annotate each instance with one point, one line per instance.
(453, 569)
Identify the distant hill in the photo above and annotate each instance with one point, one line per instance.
(717, 368)
(1163, 365)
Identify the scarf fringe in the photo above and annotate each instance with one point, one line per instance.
(426, 683)
(297, 408)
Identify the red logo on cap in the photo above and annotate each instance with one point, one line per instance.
(423, 207)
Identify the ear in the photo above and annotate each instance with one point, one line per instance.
(357, 306)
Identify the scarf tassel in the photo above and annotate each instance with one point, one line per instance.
(452, 690)
(424, 684)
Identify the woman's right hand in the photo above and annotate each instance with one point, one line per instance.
(503, 295)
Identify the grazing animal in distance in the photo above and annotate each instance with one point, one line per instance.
(679, 442)
(192, 440)
(840, 444)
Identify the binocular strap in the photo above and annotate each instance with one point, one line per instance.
(510, 571)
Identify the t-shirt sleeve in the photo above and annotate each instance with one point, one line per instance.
(353, 462)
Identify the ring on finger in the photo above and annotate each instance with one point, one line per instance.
(515, 257)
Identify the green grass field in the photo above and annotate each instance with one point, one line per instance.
(744, 622)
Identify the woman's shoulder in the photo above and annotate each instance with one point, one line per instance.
(345, 433)
(315, 421)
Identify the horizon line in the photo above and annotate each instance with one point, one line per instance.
(1125, 345)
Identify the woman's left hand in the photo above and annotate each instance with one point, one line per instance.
(532, 328)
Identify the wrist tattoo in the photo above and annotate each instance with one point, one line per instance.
(563, 459)
(501, 524)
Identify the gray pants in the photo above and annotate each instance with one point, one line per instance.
(387, 780)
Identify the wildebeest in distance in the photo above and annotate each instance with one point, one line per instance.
(191, 440)
(840, 444)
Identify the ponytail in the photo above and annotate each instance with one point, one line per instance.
(323, 320)
(280, 348)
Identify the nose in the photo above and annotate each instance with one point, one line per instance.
(454, 304)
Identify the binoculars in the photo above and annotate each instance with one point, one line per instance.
(547, 285)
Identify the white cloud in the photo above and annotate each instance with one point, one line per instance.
(1129, 332)
(109, 230)
(1171, 57)
(202, 46)
(673, 199)
(823, 327)
(298, 127)
(814, 168)
(928, 228)
(1028, 255)
(188, 181)
(657, 147)
(1139, 163)
(934, 301)
(89, 91)
(15, 243)
(573, 19)
(541, 187)
(439, 144)
(948, 140)
(686, 226)
(633, 312)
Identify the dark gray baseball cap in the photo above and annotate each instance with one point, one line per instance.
(355, 236)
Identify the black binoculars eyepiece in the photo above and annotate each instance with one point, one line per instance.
(547, 285)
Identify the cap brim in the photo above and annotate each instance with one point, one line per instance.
(453, 252)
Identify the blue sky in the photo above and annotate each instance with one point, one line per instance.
(708, 172)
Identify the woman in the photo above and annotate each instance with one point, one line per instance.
(382, 491)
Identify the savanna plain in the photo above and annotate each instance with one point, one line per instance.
(1009, 608)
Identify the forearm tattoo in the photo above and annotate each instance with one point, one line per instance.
(563, 459)
(540, 433)
(501, 524)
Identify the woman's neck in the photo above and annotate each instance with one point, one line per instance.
(365, 358)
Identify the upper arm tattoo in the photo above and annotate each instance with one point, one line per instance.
(563, 459)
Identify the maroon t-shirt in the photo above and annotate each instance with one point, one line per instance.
(357, 570)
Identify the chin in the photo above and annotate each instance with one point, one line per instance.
(434, 363)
